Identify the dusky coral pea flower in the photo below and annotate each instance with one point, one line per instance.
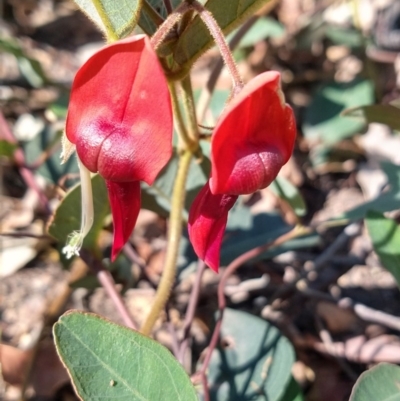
(120, 120)
(253, 139)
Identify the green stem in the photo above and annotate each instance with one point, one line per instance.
(179, 120)
(110, 32)
(174, 236)
(190, 110)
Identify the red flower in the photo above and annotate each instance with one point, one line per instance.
(207, 221)
(252, 141)
(120, 120)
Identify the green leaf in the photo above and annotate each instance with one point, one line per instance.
(158, 197)
(261, 229)
(386, 202)
(349, 37)
(377, 113)
(385, 236)
(381, 383)
(121, 15)
(30, 68)
(7, 149)
(293, 392)
(108, 361)
(323, 119)
(255, 364)
(288, 192)
(263, 28)
(51, 169)
(60, 106)
(145, 21)
(196, 39)
(67, 217)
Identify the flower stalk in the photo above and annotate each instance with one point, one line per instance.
(222, 44)
(174, 236)
(75, 239)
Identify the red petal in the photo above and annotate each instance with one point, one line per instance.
(253, 139)
(120, 114)
(207, 221)
(125, 206)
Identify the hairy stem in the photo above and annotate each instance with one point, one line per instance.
(174, 236)
(190, 110)
(179, 121)
(220, 41)
(168, 25)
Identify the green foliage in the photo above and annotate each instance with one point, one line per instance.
(381, 383)
(106, 360)
(145, 20)
(323, 119)
(263, 28)
(351, 38)
(293, 392)
(288, 192)
(67, 217)
(377, 113)
(385, 236)
(389, 200)
(196, 39)
(120, 16)
(158, 197)
(7, 149)
(255, 364)
(251, 231)
(51, 168)
(30, 68)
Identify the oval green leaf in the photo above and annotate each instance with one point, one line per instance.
(385, 236)
(381, 383)
(108, 361)
(196, 39)
(283, 188)
(255, 363)
(119, 16)
(324, 121)
(377, 113)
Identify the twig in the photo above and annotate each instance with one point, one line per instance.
(234, 265)
(349, 232)
(327, 340)
(174, 337)
(191, 310)
(364, 312)
(106, 280)
(132, 255)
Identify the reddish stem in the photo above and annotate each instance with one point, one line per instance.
(220, 41)
(235, 264)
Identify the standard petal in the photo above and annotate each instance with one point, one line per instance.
(124, 199)
(120, 115)
(207, 221)
(253, 139)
